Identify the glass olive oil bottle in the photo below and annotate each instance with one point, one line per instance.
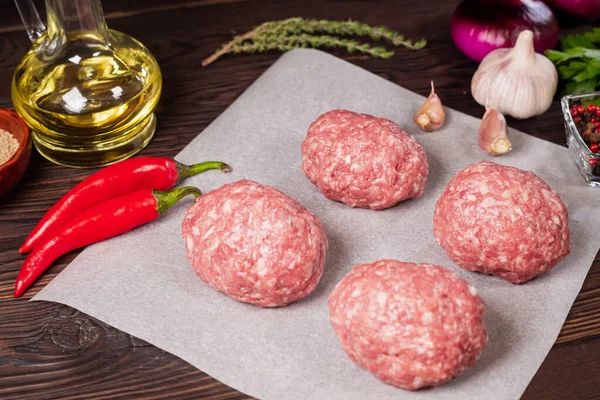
(87, 92)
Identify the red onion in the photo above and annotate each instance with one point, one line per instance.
(481, 26)
(584, 9)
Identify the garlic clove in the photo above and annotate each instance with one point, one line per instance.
(518, 82)
(493, 136)
(431, 114)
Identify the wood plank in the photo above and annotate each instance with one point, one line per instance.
(50, 351)
(129, 11)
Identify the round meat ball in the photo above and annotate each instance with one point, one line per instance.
(411, 325)
(255, 244)
(363, 161)
(502, 221)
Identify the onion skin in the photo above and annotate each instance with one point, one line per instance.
(586, 10)
(481, 26)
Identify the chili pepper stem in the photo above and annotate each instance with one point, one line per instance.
(185, 171)
(166, 199)
(105, 220)
(160, 173)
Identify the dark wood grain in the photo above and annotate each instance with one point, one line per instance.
(50, 351)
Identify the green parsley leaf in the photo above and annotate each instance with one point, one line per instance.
(574, 41)
(571, 69)
(591, 53)
(558, 57)
(578, 62)
(591, 71)
(580, 87)
(594, 35)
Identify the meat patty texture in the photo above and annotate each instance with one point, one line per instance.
(363, 161)
(502, 221)
(255, 244)
(411, 325)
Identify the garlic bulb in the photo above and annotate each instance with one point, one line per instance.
(493, 135)
(517, 82)
(431, 114)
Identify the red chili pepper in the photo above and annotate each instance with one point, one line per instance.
(137, 173)
(100, 222)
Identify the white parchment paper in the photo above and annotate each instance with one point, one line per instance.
(142, 283)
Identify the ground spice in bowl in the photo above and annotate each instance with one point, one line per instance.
(8, 146)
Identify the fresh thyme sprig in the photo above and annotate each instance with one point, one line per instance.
(304, 40)
(298, 32)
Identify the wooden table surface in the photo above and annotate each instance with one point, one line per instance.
(50, 351)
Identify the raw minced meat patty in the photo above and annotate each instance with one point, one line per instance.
(363, 161)
(411, 325)
(255, 244)
(502, 221)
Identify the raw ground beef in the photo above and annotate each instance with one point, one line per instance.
(412, 325)
(502, 221)
(255, 244)
(362, 160)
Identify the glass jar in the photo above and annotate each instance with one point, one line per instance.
(586, 161)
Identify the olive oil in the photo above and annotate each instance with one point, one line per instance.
(88, 95)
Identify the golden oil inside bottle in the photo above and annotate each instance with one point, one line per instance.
(88, 100)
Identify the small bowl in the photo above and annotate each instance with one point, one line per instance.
(582, 156)
(12, 170)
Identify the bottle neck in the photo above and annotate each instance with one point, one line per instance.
(72, 18)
